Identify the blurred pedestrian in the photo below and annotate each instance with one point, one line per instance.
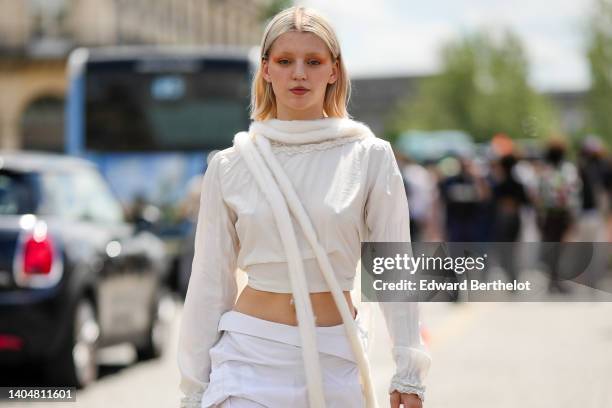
(608, 187)
(421, 192)
(188, 211)
(592, 169)
(464, 193)
(558, 206)
(509, 197)
(142, 213)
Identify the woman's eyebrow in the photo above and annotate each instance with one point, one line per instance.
(308, 54)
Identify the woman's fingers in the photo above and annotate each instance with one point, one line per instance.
(411, 401)
(407, 400)
(394, 399)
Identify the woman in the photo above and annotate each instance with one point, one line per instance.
(289, 204)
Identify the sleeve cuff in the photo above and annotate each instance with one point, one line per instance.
(412, 366)
(193, 400)
(411, 363)
(405, 388)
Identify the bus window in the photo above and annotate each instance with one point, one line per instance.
(200, 109)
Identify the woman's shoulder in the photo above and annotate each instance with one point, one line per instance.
(228, 158)
(369, 141)
(375, 143)
(375, 149)
(225, 160)
(227, 155)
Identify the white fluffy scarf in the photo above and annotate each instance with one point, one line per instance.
(308, 131)
(255, 149)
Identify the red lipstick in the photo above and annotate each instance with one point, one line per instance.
(299, 90)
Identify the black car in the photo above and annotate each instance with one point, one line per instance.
(74, 275)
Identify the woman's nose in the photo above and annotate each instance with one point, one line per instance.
(299, 72)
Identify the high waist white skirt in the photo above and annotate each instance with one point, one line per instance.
(258, 363)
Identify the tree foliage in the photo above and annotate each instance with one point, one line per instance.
(599, 99)
(482, 89)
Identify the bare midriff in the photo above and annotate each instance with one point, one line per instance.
(279, 308)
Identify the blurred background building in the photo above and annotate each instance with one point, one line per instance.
(374, 99)
(36, 37)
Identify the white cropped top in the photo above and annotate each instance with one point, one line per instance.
(349, 184)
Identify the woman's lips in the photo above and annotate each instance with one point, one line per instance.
(299, 91)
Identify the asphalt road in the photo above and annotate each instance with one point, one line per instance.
(484, 355)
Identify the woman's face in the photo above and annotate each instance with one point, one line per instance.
(299, 67)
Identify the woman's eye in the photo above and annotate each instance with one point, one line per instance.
(287, 62)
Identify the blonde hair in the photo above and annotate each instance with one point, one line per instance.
(300, 19)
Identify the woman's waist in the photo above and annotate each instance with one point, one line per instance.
(280, 307)
(274, 276)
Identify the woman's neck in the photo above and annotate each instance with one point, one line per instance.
(283, 113)
(298, 117)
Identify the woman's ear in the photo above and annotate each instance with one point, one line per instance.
(264, 70)
(334, 75)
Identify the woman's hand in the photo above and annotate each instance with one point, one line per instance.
(409, 400)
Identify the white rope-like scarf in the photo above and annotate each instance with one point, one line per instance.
(281, 196)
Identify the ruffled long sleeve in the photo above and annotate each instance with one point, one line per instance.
(387, 219)
(212, 286)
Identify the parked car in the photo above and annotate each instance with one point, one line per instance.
(74, 275)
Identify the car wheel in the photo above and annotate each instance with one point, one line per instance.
(76, 363)
(159, 330)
